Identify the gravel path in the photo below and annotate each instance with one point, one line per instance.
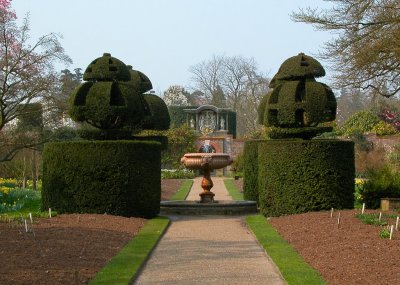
(209, 250)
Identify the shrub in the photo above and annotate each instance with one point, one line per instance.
(177, 174)
(381, 183)
(360, 122)
(238, 164)
(180, 141)
(250, 170)
(297, 176)
(114, 177)
(178, 116)
(19, 199)
(384, 129)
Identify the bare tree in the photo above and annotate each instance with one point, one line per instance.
(236, 72)
(207, 75)
(249, 101)
(366, 51)
(239, 80)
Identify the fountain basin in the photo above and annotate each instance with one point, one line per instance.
(214, 208)
(198, 160)
(206, 162)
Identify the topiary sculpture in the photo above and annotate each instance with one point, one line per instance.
(106, 174)
(112, 100)
(296, 175)
(298, 103)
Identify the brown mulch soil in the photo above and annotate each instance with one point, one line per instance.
(351, 254)
(169, 187)
(66, 249)
(70, 249)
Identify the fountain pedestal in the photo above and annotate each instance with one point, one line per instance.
(206, 162)
(207, 196)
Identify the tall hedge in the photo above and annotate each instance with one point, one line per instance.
(178, 116)
(297, 176)
(250, 170)
(115, 177)
(232, 123)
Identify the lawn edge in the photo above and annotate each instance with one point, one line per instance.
(232, 190)
(183, 190)
(269, 238)
(134, 255)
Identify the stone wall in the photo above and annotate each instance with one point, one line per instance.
(388, 142)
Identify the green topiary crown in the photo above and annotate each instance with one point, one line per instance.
(112, 100)
(298, 103)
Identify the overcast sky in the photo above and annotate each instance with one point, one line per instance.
(163, 38)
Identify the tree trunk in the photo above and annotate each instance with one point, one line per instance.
(34, 172)
(24, 170)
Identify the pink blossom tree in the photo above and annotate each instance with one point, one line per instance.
(26, 70)
(27, 75)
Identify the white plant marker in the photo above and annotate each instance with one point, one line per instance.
(50, 212)
(391, 231)
(331, 213)
(397, 223)
(338, 220)
(30, 217)
(363, 209)
(380, 216)
(26, 225)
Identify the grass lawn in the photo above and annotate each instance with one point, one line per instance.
(183, 191)
(232, 190)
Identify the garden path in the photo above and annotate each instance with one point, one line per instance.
(209, 250)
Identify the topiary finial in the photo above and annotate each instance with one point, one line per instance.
(298, 103)
(106, 68)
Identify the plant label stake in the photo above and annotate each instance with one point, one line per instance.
(50, 212)
(363, 209)
(331, 213)
(30, 217)
(338, 220)
(26, 225)
(380, 216)
(397, 223)
(391, 232)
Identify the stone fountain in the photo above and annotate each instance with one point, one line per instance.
(206, 162)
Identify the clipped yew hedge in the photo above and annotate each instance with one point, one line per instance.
(297, 176)
(159, 117)
(114, 177)
(250, 170)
